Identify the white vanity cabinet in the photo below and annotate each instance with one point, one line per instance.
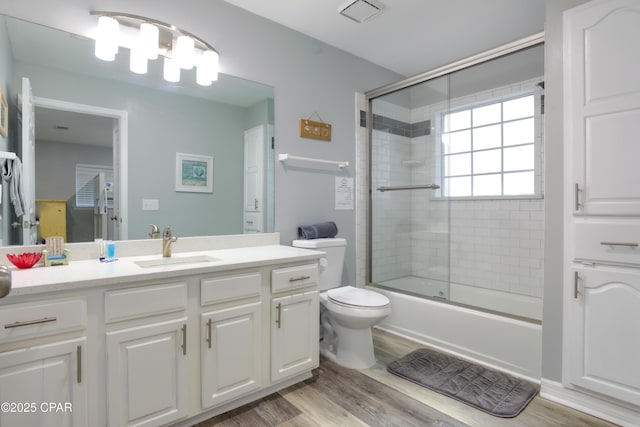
(231, 337)
(294, 321)
(43, 363)
(147, 354)
(161, 345)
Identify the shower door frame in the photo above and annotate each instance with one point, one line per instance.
(481, 57)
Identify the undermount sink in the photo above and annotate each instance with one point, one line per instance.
(160, 262)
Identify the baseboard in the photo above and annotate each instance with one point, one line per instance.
(556, 392)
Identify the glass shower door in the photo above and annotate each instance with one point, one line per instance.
(409, 216)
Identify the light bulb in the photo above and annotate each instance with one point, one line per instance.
(149, 35)
(207, 71)
(107, 38)
(171, 70)
(184, 52)
(138, 60)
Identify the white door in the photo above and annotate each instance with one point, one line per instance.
(147, 374)
(294, 334)
(231, 353)
(602, 102)
(605, 348)
(28, 220)
(255, 144)
(40, 374)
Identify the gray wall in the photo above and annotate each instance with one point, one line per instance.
(307, 75)
(160, 125)
(554, 195)
(56, 166)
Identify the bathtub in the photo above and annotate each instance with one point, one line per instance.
(509, 344)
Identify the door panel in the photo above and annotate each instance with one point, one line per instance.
(606, 342)
(603, 107)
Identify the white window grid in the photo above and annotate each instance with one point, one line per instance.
(535, 170)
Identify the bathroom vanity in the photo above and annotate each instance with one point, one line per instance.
(150, 341)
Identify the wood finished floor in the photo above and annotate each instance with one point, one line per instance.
(336, 396)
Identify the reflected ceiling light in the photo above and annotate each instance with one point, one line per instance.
(171, 70)
(107, 38)
(147, 39)
(207, 68)
(184, 52)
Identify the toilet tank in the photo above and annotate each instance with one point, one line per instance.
(330, 265)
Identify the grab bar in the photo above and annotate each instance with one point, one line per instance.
(410, 187)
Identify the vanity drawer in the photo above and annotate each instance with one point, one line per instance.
(144, 301)
(30, 320)
(607, 241)
(228, 288)
(283, 279)
(252, 222)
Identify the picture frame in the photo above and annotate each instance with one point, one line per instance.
(4, 115)
(194, 173)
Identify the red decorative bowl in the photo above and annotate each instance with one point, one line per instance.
(25, 260)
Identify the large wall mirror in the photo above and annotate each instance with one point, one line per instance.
(96, 119)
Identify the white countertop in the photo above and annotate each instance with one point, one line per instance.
(93, 273)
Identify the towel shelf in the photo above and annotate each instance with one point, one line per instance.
(8, 155)
(286, 158)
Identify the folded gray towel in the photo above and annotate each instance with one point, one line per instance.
(322, 230)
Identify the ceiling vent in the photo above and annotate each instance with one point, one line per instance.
(361, 10)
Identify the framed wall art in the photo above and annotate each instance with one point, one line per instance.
(194, 173)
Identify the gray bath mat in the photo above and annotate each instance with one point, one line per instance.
(490, 391)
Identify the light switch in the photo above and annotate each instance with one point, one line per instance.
(150, 204)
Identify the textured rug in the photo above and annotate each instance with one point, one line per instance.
(490, 391)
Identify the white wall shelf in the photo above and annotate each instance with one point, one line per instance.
(288, 159)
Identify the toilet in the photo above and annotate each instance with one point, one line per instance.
(347, 313)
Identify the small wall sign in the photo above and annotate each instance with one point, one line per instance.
(315, 130)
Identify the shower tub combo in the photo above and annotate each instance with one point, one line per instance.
(455, 218)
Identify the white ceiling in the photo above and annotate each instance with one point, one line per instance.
(409, 36)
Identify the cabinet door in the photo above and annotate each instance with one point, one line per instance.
(604, 336)
(147, 374)
(254, 179)
(48, 383)
(294, 334)
(231, 353)
(602, 106)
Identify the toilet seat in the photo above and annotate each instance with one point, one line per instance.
(350, 296)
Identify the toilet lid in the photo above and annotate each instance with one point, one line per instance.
(359, 297)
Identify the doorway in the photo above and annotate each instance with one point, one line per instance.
(71, 139)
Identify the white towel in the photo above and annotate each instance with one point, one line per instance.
(12, 174)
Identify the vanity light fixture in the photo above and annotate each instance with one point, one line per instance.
(147, 39)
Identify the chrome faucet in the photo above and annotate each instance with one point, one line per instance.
(155, 233)
(167, 240)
